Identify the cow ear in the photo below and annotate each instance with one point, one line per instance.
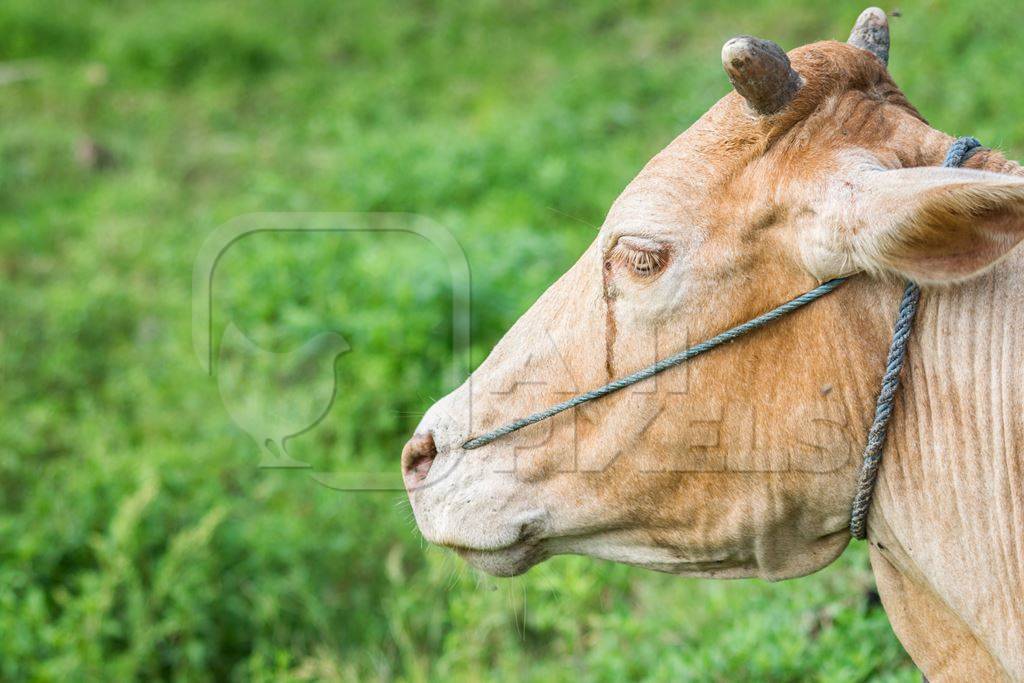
(937, 225)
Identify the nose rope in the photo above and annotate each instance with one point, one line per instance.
(958, 153)
(660, 366)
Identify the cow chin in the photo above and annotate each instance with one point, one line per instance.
(511, 561)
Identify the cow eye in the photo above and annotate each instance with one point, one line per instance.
(643, 258)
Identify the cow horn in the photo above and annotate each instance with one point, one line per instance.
(871, 33)
(760, 72)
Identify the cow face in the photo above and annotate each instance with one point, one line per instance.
(743, 462)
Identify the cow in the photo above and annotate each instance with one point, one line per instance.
(743, 463)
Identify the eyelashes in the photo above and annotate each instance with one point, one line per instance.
(643, 262)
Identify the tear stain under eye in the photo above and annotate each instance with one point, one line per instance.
(610, 330)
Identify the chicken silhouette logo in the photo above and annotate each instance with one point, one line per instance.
(275, 396)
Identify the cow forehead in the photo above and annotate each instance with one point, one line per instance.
(731, 157)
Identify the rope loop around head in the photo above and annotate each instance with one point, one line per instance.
(872, 457)
(958, 153)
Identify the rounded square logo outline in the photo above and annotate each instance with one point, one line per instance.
(236, 229)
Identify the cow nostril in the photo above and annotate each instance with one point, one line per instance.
(417, 457)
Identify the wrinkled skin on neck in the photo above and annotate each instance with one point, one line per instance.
(743, 462)
(947, 527)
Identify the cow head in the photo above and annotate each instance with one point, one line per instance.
(743, 462)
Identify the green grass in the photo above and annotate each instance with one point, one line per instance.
(139, 538)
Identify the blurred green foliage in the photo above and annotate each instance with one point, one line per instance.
(138, 537)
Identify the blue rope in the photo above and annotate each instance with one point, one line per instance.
(662, 365)
(958, 153)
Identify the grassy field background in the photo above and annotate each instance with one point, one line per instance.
(140, 539)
